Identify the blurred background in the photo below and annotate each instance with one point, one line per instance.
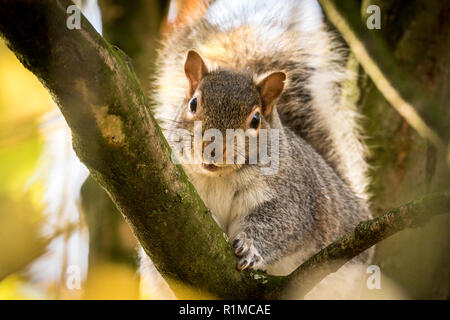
(100, 246)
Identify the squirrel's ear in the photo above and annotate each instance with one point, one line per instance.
(270, 88)
(195, 70)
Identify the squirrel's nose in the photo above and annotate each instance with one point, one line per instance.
(211, 155)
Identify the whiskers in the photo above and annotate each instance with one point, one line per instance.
(181, 136)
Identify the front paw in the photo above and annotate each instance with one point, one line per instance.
(247, 253)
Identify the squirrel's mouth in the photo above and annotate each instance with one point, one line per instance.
(214, 169)
(210, 167)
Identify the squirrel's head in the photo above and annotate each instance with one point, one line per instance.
(224, 100)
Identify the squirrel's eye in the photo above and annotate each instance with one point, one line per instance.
(193, 105)
(254, 123)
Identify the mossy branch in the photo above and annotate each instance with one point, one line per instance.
(368, 233)
(117, 138)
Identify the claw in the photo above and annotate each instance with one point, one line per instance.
(239, 251)
(242, 265)
(244, 249)
(239, 241)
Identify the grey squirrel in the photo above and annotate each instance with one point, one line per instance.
(278, 61)
(305, 204)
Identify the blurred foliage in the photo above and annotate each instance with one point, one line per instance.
(111, 281)
(18, 217)
(23, 102)
(403, 165)
(135, 29)
(15, 287)
(110, 236)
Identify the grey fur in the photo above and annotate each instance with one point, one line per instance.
(319, 192)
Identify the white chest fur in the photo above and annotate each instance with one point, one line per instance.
(230, 198)
(218, 196)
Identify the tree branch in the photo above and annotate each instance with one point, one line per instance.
(368, 233)
(116, 136)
